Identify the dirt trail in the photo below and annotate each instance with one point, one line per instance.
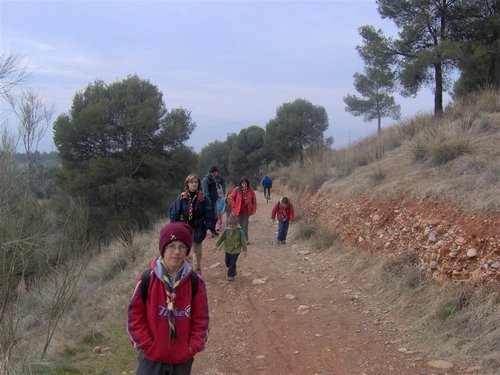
(289, 311)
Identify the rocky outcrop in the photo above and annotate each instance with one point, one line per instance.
(452, 244)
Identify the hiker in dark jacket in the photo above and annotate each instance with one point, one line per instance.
(192, 207)
(209, 188)
(267, 184)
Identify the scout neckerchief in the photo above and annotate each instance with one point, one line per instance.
(170, 288)
(244, 193)
(191, 202)
(283, 212)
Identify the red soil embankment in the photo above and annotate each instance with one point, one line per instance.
(452, 244)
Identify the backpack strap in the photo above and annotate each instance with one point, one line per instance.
(193, 276)
(146, 276)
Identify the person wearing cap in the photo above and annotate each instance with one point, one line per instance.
(171, 326)
(209, 184)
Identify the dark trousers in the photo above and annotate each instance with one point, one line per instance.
(268, 189)
(231, 260)
(282, 230)
(243, 221)
(147, 367)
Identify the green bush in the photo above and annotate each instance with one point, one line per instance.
(305, 231)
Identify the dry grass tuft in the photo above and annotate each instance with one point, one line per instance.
(487, 101)
(320, 238)
(378, 174)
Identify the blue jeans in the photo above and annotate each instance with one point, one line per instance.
(282, 230)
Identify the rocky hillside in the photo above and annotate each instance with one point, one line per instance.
(450, 243)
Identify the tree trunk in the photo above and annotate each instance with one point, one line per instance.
(379, 128)
(438, 94)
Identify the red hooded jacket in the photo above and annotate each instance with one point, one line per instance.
(236, 199)
(148, 326)
(283, 213)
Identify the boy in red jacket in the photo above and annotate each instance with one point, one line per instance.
(283, 211)
(171, 325)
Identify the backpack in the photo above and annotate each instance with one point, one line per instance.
(239, 229)
(146, 276)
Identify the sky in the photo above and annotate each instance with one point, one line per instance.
(231, 63)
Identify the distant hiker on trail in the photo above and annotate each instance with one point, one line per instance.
(209, 188)
(283, 211)
(192, 207)
(233, 242)
(168, 320)
(243, 204)
(267, 183)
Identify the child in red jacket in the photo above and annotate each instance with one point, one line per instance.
(171, 325)
(283, 211)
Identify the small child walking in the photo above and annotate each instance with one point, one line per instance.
(283, 211)
(233, 242)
